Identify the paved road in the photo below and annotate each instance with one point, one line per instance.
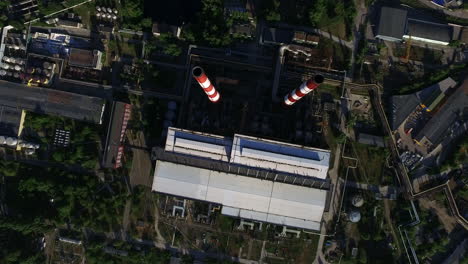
(462, 13)
(333, 173)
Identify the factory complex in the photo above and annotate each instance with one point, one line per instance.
(252, 178)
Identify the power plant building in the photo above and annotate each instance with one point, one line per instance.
(252, 178)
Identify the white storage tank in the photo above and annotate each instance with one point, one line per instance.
(354, 216)
(357, 200)
(10, 141)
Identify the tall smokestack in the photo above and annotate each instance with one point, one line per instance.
(304, 89)
(199, 74)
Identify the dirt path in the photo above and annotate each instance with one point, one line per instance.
(159, 237)
(390, 224)
(141, 164)
(126, 215)
(447, 221)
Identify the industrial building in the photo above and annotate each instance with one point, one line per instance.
(427, 99)
(53, 102)
(431, 115)
(252, 178)
(113, 150)
(394, 25)
(85, 58)
(428, 32)
(453, 110)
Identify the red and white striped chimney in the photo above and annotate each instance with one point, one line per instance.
(306, 87)
(199, 75)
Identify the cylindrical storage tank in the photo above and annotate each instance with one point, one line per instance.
(305, 88)
(171, 105)
(36, 146)
(357, 200)
(109, 10)
(98, 8)
(98, 15)
(199, 74)
(2, 140)
(354, 216)
(29, 151)
(11, 141)
(170, 115)
(167, 124)
(2, 72)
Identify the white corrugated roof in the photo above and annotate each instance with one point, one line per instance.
(254, 198)
(198, 144)
(252, 152)
(279, 156)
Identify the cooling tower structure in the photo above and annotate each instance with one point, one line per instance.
(305, 88)
(199, 74)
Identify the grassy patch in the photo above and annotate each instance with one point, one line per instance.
(158, 78)
(425, 55)
(85, 11)
(371, 162)
(331, 89)
(341, 54)
(125, 48)
(335, 27)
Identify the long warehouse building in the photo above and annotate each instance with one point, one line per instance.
(54, 102)
(272, 188)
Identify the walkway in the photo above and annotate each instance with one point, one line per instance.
(385, 191)
(333, 173)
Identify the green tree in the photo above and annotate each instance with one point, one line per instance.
(317, 12)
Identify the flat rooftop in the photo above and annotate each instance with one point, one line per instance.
(404, 105)
(53, 102)
(251, 152)
(10, 118)
(246, 197)
(392, 22)
(456, 107)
